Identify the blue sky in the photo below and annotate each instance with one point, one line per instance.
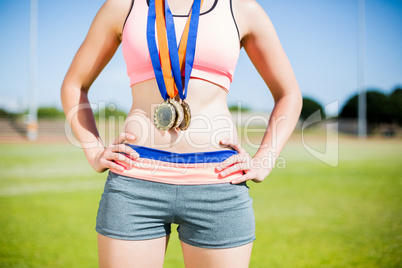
(319, 37)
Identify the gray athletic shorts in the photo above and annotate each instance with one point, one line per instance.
(208, 216)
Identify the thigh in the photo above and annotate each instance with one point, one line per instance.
(115, 253)
(237, 257)
(133, 209)
(215, 216)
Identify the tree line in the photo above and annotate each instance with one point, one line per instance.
(54, 112)
(380, 108)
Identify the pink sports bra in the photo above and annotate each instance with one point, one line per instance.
(217, 48)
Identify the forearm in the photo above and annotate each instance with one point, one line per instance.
(282, 122)
(80, 116)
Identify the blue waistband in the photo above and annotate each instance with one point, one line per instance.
(183, 158)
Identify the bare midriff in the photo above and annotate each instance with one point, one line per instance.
(211, 120)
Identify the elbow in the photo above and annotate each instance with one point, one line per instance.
(299, 100)
(294, 97)
(295, 101)
(71, 94)
(65, 93)
(70, 88)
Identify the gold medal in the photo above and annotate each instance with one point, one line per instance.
(164, 116)
(187, 116)
(179, 112)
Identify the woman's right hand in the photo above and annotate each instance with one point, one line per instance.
(105, 159)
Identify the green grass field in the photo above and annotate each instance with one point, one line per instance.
(308, 214)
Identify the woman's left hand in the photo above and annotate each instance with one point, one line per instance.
(251, 166)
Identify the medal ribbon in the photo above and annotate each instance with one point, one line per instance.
(183, 57)
(179, 57)
(163, 49)
(153, 50)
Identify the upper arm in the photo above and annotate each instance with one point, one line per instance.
(261, 42)
(100, 44)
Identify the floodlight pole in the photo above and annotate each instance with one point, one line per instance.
(32, 127)
(361, 64)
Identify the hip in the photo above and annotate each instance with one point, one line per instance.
(178, 168)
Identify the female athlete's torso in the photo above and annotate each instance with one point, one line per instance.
(216, 56)
(210, 122)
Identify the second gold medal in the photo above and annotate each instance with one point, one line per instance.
(179, 113)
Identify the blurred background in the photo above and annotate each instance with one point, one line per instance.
(334, 197)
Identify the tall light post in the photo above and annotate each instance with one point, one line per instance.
(32, 127)
(361, 69)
